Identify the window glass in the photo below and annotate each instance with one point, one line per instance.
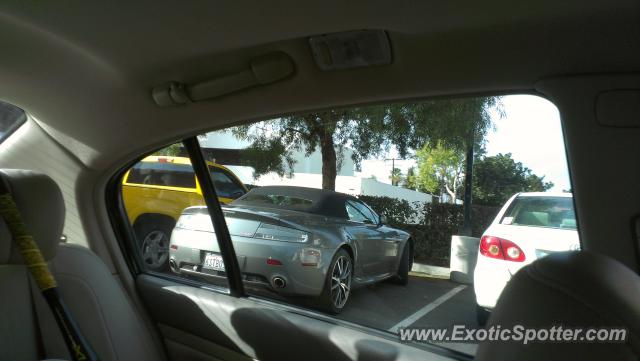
(292, 187)
(541, 211)
(359, 212)
(227, 186)
(354, 213)
(163, 171)
(162, 202)
(11, 118)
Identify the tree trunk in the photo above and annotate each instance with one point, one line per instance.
(329, 171)
(451, 193)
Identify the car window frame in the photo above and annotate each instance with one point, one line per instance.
(19, 122)
(158, 186)
(348, 204)
(225, 244)
(514, 203)
(126, 238)
(376, 216)
(347, 201)
(306, 311)
(231, 177)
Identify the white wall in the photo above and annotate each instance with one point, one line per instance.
(372, 187)
(381, 168)
(344, 184)
(304, 164)
(313, 163)
(347, 184)
(222, 139)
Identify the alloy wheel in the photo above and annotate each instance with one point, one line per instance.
(155, 249)
(341, 281)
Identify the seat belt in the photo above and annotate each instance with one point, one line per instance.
(78, 346)
(51, 340)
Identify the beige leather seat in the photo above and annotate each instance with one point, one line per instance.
(99, 304)
(575, 290)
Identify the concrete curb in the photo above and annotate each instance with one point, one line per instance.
(431, 271)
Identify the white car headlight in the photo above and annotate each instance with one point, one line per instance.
(278, 233)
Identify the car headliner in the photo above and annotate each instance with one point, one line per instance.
(325, 202)
(85, 70)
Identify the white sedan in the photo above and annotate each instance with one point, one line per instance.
(529, 226)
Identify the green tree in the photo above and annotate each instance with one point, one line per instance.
(411, 180)
(499, 177)
(367, 131)
(173, 150)
(440, 169)
(396, 176)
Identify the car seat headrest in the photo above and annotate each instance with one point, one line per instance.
(42, 208)
(574, 290)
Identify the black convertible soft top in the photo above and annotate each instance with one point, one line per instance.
(310, 200)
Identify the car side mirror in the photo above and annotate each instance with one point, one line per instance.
(236, 194)
(383, 219)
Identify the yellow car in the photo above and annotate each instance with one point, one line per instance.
(157, 189)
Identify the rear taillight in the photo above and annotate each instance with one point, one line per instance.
(500, 248)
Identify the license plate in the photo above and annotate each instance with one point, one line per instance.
(214, 262)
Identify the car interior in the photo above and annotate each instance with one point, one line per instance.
(104, 84)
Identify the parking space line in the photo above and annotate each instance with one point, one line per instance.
(426, 309)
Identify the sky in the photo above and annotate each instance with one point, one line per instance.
(530, 131)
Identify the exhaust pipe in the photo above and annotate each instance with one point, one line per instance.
(173, 266)
(279, 282)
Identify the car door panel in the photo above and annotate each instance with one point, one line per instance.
(380, 245)
(369, 248)
(369, 239)
(203, 324)
(391, 243)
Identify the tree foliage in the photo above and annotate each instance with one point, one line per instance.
(498, 177)
(368, 131)
(174, 150)
(440, 169)
(396, 176)
(411, 180)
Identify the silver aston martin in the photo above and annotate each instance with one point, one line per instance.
(296, 241)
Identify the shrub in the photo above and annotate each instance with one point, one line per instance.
(398, 211)
(438, 222)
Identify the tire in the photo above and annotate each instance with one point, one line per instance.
(406, 262)
(482, 315)
(330, 301)
(153, 237)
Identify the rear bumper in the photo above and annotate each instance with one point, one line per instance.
(302, 270)
(489, 279)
